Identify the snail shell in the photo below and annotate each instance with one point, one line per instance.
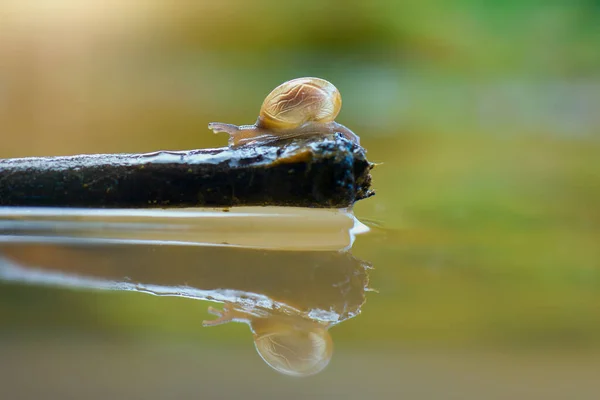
(296, 102)
(296, 108)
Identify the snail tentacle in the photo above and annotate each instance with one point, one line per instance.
(221, 127)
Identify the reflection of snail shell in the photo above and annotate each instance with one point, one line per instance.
(296, 352)
(289, 344)
(296, 108)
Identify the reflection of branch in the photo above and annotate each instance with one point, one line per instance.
(324, 172)
(256, 282)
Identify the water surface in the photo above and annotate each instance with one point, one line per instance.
(478, 278)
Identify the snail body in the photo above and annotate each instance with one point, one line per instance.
(297, 108)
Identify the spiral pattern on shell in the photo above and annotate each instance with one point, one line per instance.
(302, 100)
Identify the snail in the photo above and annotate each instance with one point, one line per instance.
(289, 344)
(297, 108)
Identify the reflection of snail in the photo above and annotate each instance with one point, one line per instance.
(289, 344)
(296, 108)
(289, 299)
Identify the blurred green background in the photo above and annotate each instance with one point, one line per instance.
(140, 75)
(485, 115)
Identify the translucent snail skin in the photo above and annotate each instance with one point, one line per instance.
(297, 108)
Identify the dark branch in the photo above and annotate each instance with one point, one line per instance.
(325, 172)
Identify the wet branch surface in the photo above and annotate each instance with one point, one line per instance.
(328, 172)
